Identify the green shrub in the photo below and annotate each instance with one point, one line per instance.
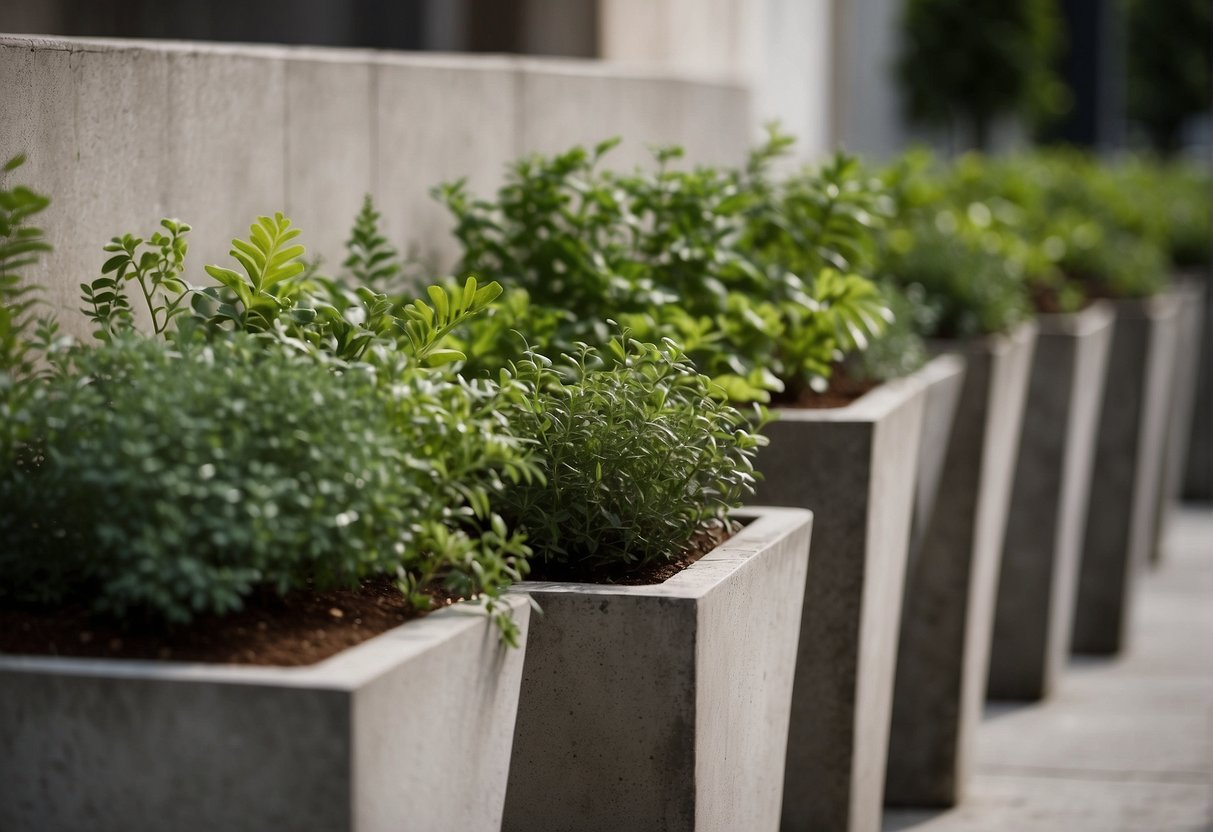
(970, 61)
(636, 450)
(174, 482)
(278, 431)
(756, 279)
(952, 256)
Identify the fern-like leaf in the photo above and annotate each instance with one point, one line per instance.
(371, 261)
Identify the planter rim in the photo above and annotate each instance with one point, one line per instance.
(996, 343)
(872, 406)
(942, 366)
(1155, 307)
(346, 671)
(768, 525)
(1097, 315)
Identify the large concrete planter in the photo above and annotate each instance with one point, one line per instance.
(1125, 486)
(663, 706)
(409, 730)
(854, 466)
(949, 601)
(1041, 549)
(1190, 292)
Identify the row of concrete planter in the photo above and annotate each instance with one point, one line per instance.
(1043, 460)
(757, 688)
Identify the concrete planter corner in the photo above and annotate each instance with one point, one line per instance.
(855, 467)
(1129, 469)
(948, 613)
(1043, 541)
(664, 706)
(408, 730)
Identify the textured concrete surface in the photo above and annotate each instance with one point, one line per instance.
(944, 381)
(1125, 486)
(948, 613)
(1198, 478)
(1038, 578)
(854, 466)
(1126, 744)
(410, 730)
(664, 706)
(122, 133)
(1186, 368)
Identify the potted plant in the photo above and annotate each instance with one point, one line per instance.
(1043, 540)
(184, 514)
(1114, 253)
(760, 280)
(657, 687)
(968, 301)
(1177, 194)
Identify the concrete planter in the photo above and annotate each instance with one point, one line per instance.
(1040, 559)
(943, 379)
(663, 706)
(1125, 486)
(1186, 369)
(409, 730)
(855, 467)
(949, 602)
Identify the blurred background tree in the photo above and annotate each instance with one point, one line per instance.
(964, 63)
(1170, 56)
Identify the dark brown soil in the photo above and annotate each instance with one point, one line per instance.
(843, 390)
(299, 629)
(705, 540)
(1045, 299)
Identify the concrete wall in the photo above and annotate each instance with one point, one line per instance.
(781, 48)
(121, 133)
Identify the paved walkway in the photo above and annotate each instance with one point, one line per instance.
(1125, 745)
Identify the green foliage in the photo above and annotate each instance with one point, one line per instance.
(951, 256)
(899, 350)
(174, 481)
(158, 272)
(964, 62)
(372, 262)
(20, 246)
(256, 300)
(1170, 66)
(637, 454)
(758, 280)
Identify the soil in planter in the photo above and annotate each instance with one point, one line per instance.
(707, 538)
(299, 629)
(844, 389)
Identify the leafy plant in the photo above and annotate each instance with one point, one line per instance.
(637, 452)
(756, 279)
(157, 270)
(372, 262)
(1170, 66)
(20, 246)
(964, 62)
(173, 482)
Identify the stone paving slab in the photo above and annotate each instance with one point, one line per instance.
(1126, 744)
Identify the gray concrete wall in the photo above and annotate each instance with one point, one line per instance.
(122, 133)
(781, 48)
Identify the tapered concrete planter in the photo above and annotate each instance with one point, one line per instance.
(943, 379)
(1186, 368)
(410, 730)
(1039, 573)
(663, 707)
(855, 467)
(949, 600)
(1125, 486)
